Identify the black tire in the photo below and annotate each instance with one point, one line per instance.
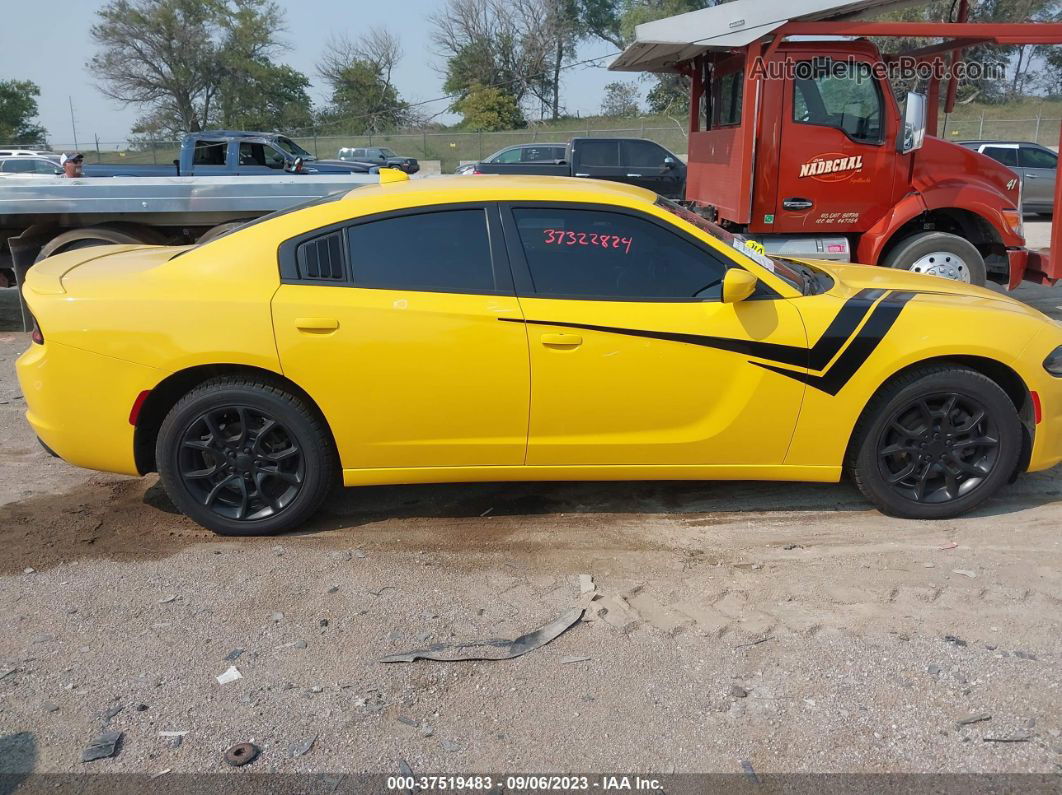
(905, 254)
(242, 456)
(913, 428)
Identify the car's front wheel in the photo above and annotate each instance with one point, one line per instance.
(935, 442)
(243, 456)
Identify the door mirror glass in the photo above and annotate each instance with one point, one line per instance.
(669, 162)
(913, 133)
(738, 285)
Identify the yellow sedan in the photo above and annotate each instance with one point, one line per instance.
(493, 329)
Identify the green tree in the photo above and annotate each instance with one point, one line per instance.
(620, 100)
(489, 108)
(189, 64)
(264, 96)
(364, 100)
(18, 111)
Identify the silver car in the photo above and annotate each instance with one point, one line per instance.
(29, 166)
(1036, 165)
(521, 153)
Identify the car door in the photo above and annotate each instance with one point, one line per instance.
(634, 358)
(597, 159)
(210, 157)
(260, 159)
(837, 165)
(391, 324)
(1040, 168)
(645, 166)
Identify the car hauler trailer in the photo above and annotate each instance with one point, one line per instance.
(797, 142)
(39, 218)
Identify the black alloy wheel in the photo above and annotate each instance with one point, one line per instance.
(244, 456)
(938, 447)
(935, 442)
(241, 463)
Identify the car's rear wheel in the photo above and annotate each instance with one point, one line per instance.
(935, 442)
(938, 254)
(243, 456)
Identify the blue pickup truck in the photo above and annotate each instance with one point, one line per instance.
(230, 153)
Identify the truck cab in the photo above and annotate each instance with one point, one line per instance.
(797, 140)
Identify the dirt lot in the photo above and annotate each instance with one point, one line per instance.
(783, 625)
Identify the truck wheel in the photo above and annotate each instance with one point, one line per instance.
(938, 254)
(242, 456)
(934, 443)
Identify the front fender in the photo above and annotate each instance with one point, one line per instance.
(930, 326)
(979, 201)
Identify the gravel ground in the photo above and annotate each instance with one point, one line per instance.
(784, 625)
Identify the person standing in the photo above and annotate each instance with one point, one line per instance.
(73, 164)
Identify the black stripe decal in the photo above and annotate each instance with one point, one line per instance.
(815, 358)
(849, 362)
(839, 331)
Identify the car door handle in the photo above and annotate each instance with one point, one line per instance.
(797, 203)
(316, 323)
(634, 175)
(562, 340)
(1031, 176)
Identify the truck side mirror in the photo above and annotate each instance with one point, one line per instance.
(669, 162)
(296, 166)
(913, 131)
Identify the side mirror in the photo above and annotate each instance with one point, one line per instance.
(738, 284)
(913, 132)
(296, 166)
(669, 162)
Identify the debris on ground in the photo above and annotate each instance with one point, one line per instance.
(495, 649)
(231, 675)
(167, 599)
(29, 570)
(586, 583)
(755, 642)
(233, 655)
(241, 754)
(737, 691)
(108, 714)
(104, 746)
(162, 772)
(173, 734)
(570, 660)
(965, 573)
(750, 772)
(973, 719)
(949, 545)
(954, 640)
(407, 774)
(300, 749)
(1021, 738)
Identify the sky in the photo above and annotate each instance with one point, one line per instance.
(51, 49)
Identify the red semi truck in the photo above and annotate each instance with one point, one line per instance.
(797, 142)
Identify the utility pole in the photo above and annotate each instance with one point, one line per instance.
(72, 124)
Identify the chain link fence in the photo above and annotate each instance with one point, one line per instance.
(452, 148)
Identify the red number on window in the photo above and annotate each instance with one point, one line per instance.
(571, 239)
(548, 234)
(628, 241)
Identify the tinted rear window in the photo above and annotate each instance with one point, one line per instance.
(446, 251)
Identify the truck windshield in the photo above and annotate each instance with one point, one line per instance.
(778, 267)
(293, 148)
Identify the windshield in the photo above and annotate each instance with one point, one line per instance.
(387, 152)
(778, 267)
(293, 148)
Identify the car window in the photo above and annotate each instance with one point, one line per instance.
(642, 154)
(19, 165)
(507, 156)
(599, 153)
(1032, 157)
(209, 153)
(385, 152)
(842, 95)
(445, 251)
(1007, 155)
(45, 167)
(607, 255)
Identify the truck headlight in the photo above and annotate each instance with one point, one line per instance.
(1053, 362)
